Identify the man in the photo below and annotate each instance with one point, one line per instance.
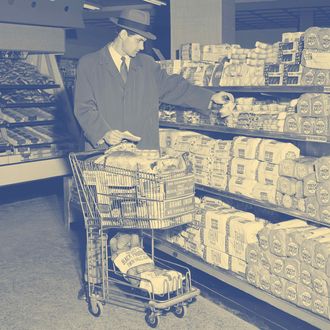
(118, 89)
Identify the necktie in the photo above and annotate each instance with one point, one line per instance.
(123, 69)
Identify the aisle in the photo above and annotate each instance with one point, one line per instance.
(39, 278)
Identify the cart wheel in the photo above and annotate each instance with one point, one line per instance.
(180, 311)
(95, 308)
(152, 319)
(191, 300)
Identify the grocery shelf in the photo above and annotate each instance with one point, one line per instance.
(33, 170)
(27, 123)
(33, 86)
(271, 89)
(255, 202)
(239, 283)
(27, 105)
(247, 132)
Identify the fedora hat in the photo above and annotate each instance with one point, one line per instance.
(135, 20)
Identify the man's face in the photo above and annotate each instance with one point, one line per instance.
(132, 44)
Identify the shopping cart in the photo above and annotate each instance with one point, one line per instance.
(114, 197)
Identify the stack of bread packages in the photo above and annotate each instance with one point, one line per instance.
(311, 117)
(291, 260)
(287, 70)
(254, 168)
(246, 66)
(253, 114)
(304, 185)
(226, 233)
(210, 159)
(316, 57)
(220, 234)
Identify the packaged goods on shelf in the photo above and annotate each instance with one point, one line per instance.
(253, 275)
(321, 305)
(241, 186)
(244, 147)
(322, 169)
(25, 97)
(305, 296)
(321, 258)
(266, 193)
(191, 51)
(268, 173)
(277, 286)
(17, 115)
(292, 270)
(21, 73)
(252, 253)
(245, 168)
(317, 38)
(216, 258)
(306, 249)
(237, 266)
(291, 292)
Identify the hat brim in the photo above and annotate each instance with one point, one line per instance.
(142, 33)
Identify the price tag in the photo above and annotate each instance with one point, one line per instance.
(315, 138)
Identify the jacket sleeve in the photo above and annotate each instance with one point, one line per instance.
(85, 107)
(174, 89)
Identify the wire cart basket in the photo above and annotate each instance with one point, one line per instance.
(134, 200)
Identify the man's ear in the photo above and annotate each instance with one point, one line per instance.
(123, 34)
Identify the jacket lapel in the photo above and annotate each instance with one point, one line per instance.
(107, 61)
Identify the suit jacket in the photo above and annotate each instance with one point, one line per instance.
(104, 102)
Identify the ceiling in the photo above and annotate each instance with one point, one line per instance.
(250, 14)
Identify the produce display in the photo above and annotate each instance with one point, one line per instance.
(291, 261)
(299, 59)
(263, 169)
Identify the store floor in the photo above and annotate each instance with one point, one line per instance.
(40, 265)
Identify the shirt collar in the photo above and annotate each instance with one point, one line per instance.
(117, 57)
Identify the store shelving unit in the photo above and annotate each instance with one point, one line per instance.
(239, 283)
(271, 207)
(227, 276)
(247, 132)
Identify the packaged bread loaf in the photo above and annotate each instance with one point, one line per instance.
(268, 173)
(212, 238)
(278, 237)
(301, 205)
(219, 219)
(241, 186)
(321, 283)
(289, 202)
(323, 193)
(304, 108)
(324, 214)
(307, 247)
(304, 166)
(290, 292)
(321, 258)
(307, 125)
(222, 149)
(218, 181)
(310, 185)
(216, 258)
(244, 147)
(292, 270)
(279, 198)
(294, 238)
(287, 168)
(274, 151)
(322, 126)
(253, 275)
(219, 166)
(292, 123)
(245, 168)
(299, 189)
(286, 185)
(321, 305)
(237, 266)
(263, 237)
(277, 286)
(322, 169)
(277, 265)
(264, 280)
(265, 193)
(305, 296)
(252, 253)
(312, 207)
(266, 259)
(306, 274)
(243, 230)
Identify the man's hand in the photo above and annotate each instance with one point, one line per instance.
(222, 98)
(227, 100)
(114, 137)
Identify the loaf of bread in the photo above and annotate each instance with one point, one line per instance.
(322, 168)
(216, 258)
(305, 296)
(268, 173)
(253, 275)
(312, 207)
(310, 185)
(277, 286)
(266, 193)
(237, 266)
(323, 193)
(242, 186)
(286, 185)
(304, 166)
(287, 168)
(265, 280)
(244, 147)
(321, 305)
(321, 283)
(292, 270)
(290, 292)
(252, 253)
(307, 247)
(244, 168)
